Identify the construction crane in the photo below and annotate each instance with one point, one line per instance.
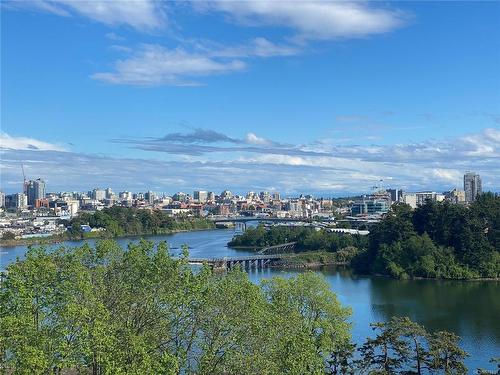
(25, 185)
(379, 186)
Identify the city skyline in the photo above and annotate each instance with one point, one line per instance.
(35, 189)
(319, 98)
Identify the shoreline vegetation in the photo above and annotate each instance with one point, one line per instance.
(87, 236)
(107, 309)
(434, 241)
(117, 222)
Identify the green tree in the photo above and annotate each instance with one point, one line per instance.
(416, 340)
(341, 360)
(445, 354)
(385, 353)
(108, 310)
(309, 322)
(8, 236)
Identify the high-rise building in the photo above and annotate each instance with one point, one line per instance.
(472, 186)
(126, 195)
(150, 197)
(211, 196)
(410, 199)
(276, 196)
(370, 207)
(396, 194)
(200, 196)
(456, 196)
(265, 196)
(180, 197)
(35, 190)
(226, 194)
(424, 196)
(109, 193)
(2, 199)
(18, 200)
(98, 194)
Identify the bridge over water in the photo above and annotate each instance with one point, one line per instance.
(245, 262)
(243, 220)
(254, 218)
(354, 222)
(264, 258)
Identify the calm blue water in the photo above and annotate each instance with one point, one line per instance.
(470, 309)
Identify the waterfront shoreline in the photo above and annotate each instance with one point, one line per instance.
(320, 265)
(315, 265)
(40, 241)
(308, 265)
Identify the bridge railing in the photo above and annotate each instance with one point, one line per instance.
(278, 249)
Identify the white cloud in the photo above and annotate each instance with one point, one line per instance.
(139, 14)
(253, 139)
(115, 37)
(155, 65)
(434, 165)
(492, 134)
(447, 175)
(24, 143)
(257, 47)
(315, 19)
(151, 65)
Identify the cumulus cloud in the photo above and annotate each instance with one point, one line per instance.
(253, 139)
(315, 19)
(25, 143)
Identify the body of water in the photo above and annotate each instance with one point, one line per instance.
(471, 309)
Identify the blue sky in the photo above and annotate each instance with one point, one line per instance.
(317, 97)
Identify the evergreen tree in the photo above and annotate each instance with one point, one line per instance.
(445, 354)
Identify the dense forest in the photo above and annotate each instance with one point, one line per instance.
(436, 240)
(121, 221)
(106, 310)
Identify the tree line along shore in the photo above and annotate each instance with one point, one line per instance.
(116, 222)
(436, 240)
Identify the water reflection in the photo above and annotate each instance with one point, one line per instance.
(468, 308)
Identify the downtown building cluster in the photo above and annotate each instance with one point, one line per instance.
(380, 202)
(35, 212)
